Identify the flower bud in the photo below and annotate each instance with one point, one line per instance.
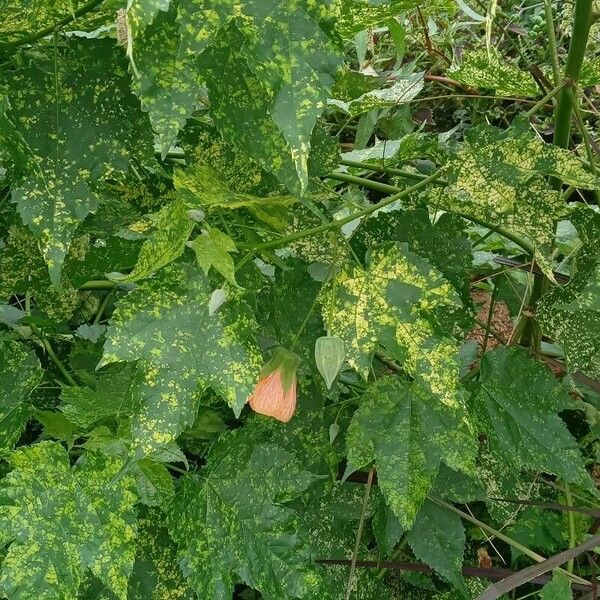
(275, 392)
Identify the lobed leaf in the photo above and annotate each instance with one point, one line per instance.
(172, 228)
(571, 313)
(407, 433)
(396, 303)
(248, 532)
(488, 69)
(77, 135)
(87, 523)
(438, 539)
(498, 177)
(165, 324)
(517, 402)
(20, 373)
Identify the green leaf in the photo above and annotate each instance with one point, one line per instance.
(488, 69)
(13, 148)
(24, 271)
(590, 73)
(397, 303)
(115, 395)
(401, 92)
(156, 573)
(141, 13)
(329, 524)
(57, 426)
(154, 483)
(498, 177)
(386, 528)
(166, 78)
(438, 539)
(248, 532)
(407, 433)
(213, 249)
(354, 16)
(276, 71)
(517, 402)
(20, 18)
(558, 589)
(571, 314)
(279, 78)
(165, 324)
(76, 135)
(20, 373)
(172, 228)
(443, 243)
(538, 529)
(87, 523)
(200, 185)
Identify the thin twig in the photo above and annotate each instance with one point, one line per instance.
(359, 534)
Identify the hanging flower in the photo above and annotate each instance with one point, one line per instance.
(275, 392)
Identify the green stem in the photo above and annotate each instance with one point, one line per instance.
(589, 148)
(552, 46)
(53, 357)
(367, 183)
(381, 573)
(104, 284)
(530, 334)
(101, 310)
(299, 235)
(362, 181)
(389, 170)
(498, 534)
(553, 92)
(361, 523)
(582, 22)
(28, 39)
(304, 323)
(571, 522)
(490, 316)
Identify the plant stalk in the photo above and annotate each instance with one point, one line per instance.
(357, 541)
(571, 524)
(528, 248)
(582, 22)
(553, 92)
(377, 186)
(104, 284)
(299, 235)
(552, 46)
(28, 39)
(53, 357)
(389, 170)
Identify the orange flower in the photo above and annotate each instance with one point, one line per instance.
(275, 392)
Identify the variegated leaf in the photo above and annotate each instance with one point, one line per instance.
(571, 314)
(407, 432)
(88, 522)
(85, 126)
(247, 531)
(398, 302)
(517, 403)
(20, 373)
(172, 228)
(488, 69)
(498, 177)
(166, 325)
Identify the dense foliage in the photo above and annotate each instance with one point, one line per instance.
(299, 299)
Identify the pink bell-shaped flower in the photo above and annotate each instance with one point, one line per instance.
(275, 392)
